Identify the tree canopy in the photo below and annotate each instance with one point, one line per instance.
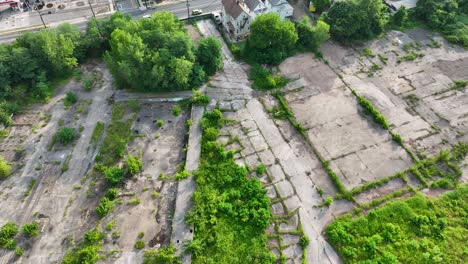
(271, 39)
(352, 20)
(157, 54)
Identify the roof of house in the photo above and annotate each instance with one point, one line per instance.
(252, 4)
(274, 2)
(232, 8)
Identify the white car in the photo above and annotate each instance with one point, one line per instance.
(146, 16)
(196, 12)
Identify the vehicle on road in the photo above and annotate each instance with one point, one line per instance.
(146, 16)
(196, 12)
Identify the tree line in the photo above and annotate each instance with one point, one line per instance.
(151, 54)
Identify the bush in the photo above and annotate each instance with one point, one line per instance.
(199, 99)
(176, 110)
(65, 135)
(182, 175)
(260, 169)
(104, 207)
(19, 252)
(7, 233)
(114, 175)
(5, 169)
(397, 138)
(165, 255)
(70, 99)
(31, 230)
(112, 193)
(304, 241)
(93, 237)
(264, 79)
(140, 244)
(159, 123)
(134, 165)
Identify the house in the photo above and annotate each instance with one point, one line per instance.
(281, 7)
(396, 4)
(236, 18)
(237, 15)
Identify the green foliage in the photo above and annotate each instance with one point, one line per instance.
(112, 193)
(199, 99)
(263, 79)
(104, 207)
(157, 54)
(31, 230)
(110, 226)
(400, 18)
(182, 175)
(367, 53)
(70, 99)
(7, 233)
(19, 252)
(159, 123)
(397, 138)
(140, 244)
(353, 20)
(260, 169)
(304, 241)
(321, 5)
(97, 132)
(209, 55)
(165, 255)
(271, 39)
(30, 186)
(5, 169)
(328, 201)
(114, 175)
(134, 165)
(450, 17)
(310, 37)
(65, 135)
(414, 230)
(370, 109)
(176, 110)
(134, 201)
(230, 208)
(87, 252)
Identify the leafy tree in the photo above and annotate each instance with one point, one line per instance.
(209, 55)
(400, 18)
(310, 37)
(352, 20)
(321, 5)
(31, 230)
(114, 175)
(271, 39)
(5, 169)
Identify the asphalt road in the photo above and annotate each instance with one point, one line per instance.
(179, 9)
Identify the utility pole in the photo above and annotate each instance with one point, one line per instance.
(40, 15)
(188, 13)
(90, 6)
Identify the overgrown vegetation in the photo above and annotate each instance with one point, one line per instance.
(370, 109)
(64, 136)
(450, 17)
(231, 211)
(70, 99)
(31, 230)
(165, 255)
(86, 252)
(7, 234)
(263, 79)
(415, 230)
(5, 169)
(97, 132)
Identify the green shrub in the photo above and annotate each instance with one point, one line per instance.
(304, 241)
(264, 79)
(140, 244)
(370, 109)
(397, 138)
(176, 110)
(211, 134)
(70, 99)
(104, 207)
(199, 99)
(134, 165)
(94, 236)
(182, 175)
(141, 235)
(160, 123)
(110, 226)
(328, 201)
(165, 255)
(65, 135)
(5, 169)
(154, 195)
(19, 252)
(31, 230)
(260, 169)
(114, 175)
(134, 201)
(7, 233)
(112, 193)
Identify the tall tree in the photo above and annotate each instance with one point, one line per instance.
(310, 37)
(209, 55)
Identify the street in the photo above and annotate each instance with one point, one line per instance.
(81, 17)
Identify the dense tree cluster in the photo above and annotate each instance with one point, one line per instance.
(352, 20)
(272, 39)
(231, 209)
(416, 230)
(157, 54)
(448, 16)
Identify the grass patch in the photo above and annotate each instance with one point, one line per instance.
(30, 187)
(264, 79)
(370, 109)
(97, 132)
(414, 230)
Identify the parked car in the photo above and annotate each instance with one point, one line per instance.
(146, 16)
(196, 12)
(217, 19)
